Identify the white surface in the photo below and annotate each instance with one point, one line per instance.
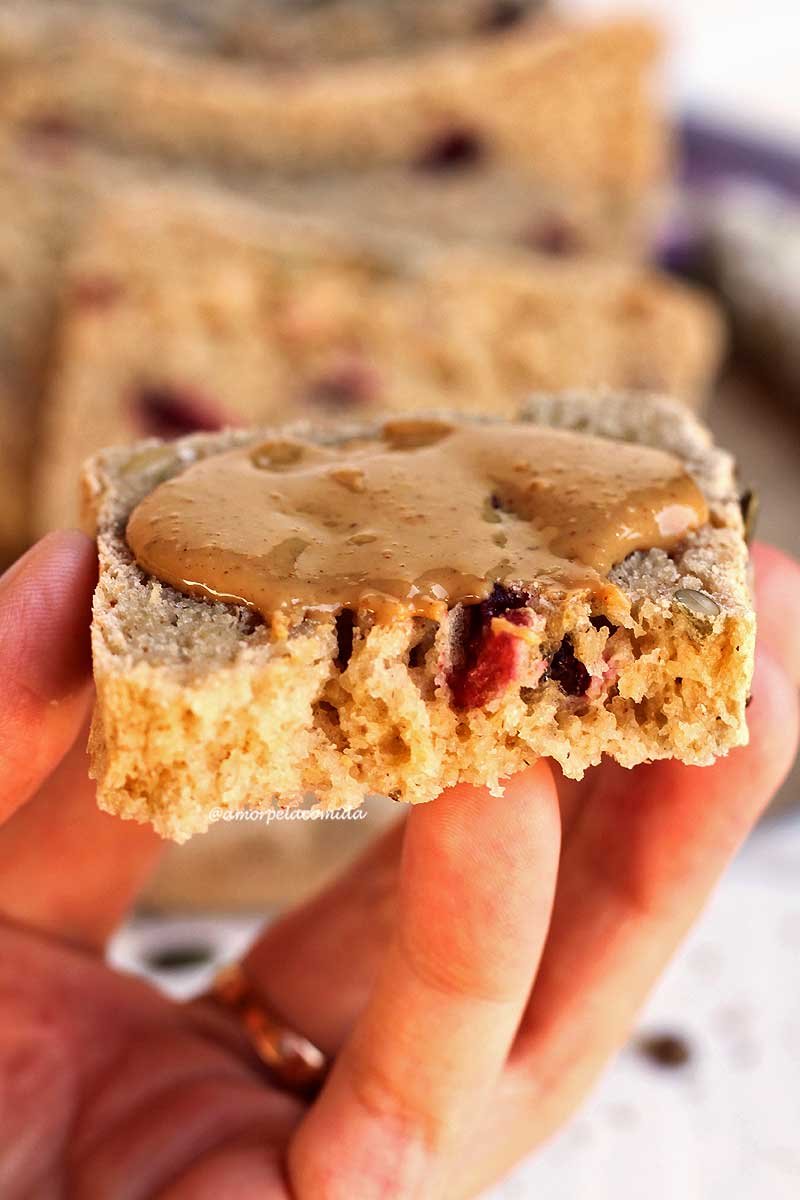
(727, 1125)
(723, 1127)
(736, 59)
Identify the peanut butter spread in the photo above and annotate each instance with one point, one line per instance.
(419, 517)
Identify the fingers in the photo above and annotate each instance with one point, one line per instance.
(239, 1170)
(45, 610)
(105, 1084)
(777, 579)
(635, 872)
(68, 869)
(65, 868)
(476, 886)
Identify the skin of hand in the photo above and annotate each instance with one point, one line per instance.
(472, 974)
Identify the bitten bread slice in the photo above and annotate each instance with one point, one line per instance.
(202, 705)
(188, 309)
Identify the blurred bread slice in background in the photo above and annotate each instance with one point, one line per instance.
(568, 108)
(187, 309)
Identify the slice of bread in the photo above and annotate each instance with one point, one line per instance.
(187, 308)
(568, 108)
(202, 708)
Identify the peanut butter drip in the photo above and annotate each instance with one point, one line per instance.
(423, 516)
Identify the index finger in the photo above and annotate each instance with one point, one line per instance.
(476, 889)
(45, 663)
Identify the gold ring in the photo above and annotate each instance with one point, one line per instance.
(293, 1062)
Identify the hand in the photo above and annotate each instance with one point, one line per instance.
(472, 973)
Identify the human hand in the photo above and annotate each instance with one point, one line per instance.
(471, 975)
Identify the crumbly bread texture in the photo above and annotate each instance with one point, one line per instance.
(199, 708)
(567, 107)
(188, 309)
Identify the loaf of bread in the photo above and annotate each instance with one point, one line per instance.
(560, 118)
(206, 705)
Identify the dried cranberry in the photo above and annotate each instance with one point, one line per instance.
(501, 599)
(503, 14)
(169, 412)
(453, 150)
(489, 660)
(476, 617)
(552, 236)
(347, 384)
(496, 666)
(568, 672)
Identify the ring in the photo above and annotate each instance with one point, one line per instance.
(294, 1063)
